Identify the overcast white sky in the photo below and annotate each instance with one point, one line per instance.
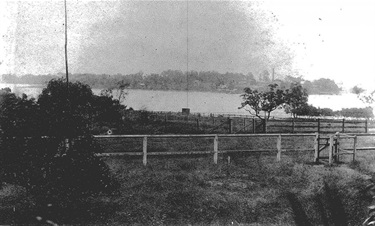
(333, 38)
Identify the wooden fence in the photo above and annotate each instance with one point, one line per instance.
(335, 144)
(277, 148)
(254, 125)
(325, 147)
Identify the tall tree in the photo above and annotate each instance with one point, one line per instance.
(295, 99)
(256, 102)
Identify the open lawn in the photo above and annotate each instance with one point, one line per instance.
(253, 189)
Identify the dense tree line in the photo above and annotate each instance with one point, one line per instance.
(211, 81)
(294, 101)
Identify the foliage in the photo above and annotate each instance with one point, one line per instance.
(79, 112)
(322, 86)
(295, 99)
(66, 109)
(177, 80)
(46, 145)
(369, 98)
(119, 89)
(357, 112)
(19, 116)
(262, 101)
(330, 205)
(357, 90)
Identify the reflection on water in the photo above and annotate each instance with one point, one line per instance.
(200, 102)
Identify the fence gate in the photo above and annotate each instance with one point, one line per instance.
(332, 148)
(323, 144)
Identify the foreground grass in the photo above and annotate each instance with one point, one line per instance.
(251, 190)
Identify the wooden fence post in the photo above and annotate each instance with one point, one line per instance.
(366, 126)
(343, 125)
(354, 147)
(330, 150)
(145, 150)
(230, 123)
(265, 125)
(197, 123)
(244, 124)
(253, 125)
(216, 148)
(337, 147)
(318, 125)
(278, 145)
(293, 125)
(316, 147)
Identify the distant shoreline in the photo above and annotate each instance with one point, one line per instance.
(39, 85)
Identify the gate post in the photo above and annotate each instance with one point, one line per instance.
(330, 150)
(316, 147)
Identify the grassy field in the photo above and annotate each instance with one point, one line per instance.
(253, 189)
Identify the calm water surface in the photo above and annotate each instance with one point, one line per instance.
(200, 102)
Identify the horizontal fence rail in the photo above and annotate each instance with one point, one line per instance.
(340, 144)
(273, 144)
(226, 123)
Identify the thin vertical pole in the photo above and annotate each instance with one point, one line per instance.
(66, 46)
(343, 125)
(330, 150)
(187, 53)
(278, 145)
(216, 148)
(197, 123)
(144, 150)
(366, 126)
(316, 147)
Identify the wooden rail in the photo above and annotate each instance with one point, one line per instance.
(215, 150)
(245, 124)
(335, 149)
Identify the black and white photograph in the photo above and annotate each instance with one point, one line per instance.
(187, 112)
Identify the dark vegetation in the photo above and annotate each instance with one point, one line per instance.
(294, 101)
(49, 172)
(47, 150)
(177, 80)
(357, 90)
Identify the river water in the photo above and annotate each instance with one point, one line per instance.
(201, 102)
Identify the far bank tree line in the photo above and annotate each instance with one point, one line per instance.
(210, 81)
(294, 101)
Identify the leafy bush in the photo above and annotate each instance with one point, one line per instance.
(357, 112)
(59, 168)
